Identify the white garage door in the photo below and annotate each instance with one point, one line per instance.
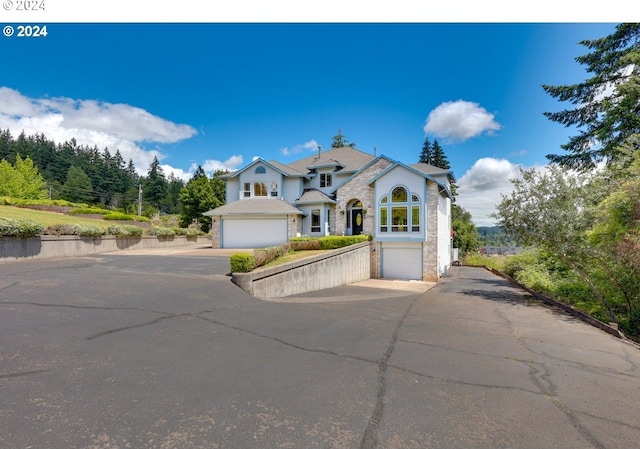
(243, 233)
(401, 261)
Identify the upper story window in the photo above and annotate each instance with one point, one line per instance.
(325, 179)
(274, 189)
(246, 191)
(400, 214)
(260, 170)
(259, 189)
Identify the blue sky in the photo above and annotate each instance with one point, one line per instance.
(221, 94)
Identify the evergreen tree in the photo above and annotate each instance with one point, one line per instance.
(439, 158)
(155, 185)
(78, 187)
(426, 154)
(607, 108)
(433, 154)
(339, 141)
(200, 195)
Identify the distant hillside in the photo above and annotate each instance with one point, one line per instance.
(494, 236)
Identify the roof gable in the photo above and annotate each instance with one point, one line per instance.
(411, 168)
(253, 163)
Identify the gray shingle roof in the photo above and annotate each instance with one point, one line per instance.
(256, 206)
(430, 169)
(348, 158)
(314, 196)
(291, 171)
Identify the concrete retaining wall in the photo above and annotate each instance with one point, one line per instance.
(337, 267)
(53, 246)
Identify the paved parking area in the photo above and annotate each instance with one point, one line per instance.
(163, 351)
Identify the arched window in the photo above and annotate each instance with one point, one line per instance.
(399, 195)
(401, 214)
(260, 170)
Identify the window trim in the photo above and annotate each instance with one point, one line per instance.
(315, 215)
(258, 187)
(392, 210)
(326, 180)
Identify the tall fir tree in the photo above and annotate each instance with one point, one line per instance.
(439, 158)
(607, 105)
(426, 154)
(339, 141)
(155, 185)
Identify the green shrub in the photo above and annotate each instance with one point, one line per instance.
(265, 255)
(90, 210)
(340, 241)
(18, 227)
(162, 232)
(515, 264)
(87, 230)
(475, 259)
(119, 216)
(305, 244)
(242, 262)
(124, 231)
(75, 229)
(189, 232)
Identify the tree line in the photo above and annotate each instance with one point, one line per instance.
(86, 174)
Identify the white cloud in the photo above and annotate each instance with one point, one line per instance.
(460, 120)
(209, 166)
(481, 187)
(311, 145)
(92, 123)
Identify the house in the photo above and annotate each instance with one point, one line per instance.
(343, 191)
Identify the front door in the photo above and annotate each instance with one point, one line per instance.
(356, 221)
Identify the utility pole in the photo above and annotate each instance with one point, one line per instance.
(139, 200)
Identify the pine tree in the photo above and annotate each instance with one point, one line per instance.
(427, 152)
(78, 187)
(439, 158)
(155, 185)
(607, 108)
(339, 141)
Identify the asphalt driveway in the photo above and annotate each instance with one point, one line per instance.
(163, 351)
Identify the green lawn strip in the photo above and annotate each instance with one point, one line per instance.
(48, 218)
(290, 257)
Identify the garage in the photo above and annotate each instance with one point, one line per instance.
(253, 233)
(401, 260)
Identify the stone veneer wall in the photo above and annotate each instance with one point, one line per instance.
(294, 225)
(430, 248)
(215, 231)
(358, 188)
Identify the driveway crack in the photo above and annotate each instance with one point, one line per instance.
(149, 323)
(370, 436)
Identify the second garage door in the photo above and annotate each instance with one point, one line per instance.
(401, 261)
(259, 233)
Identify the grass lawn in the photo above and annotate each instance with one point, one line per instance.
(290, 257)
(48, 218)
